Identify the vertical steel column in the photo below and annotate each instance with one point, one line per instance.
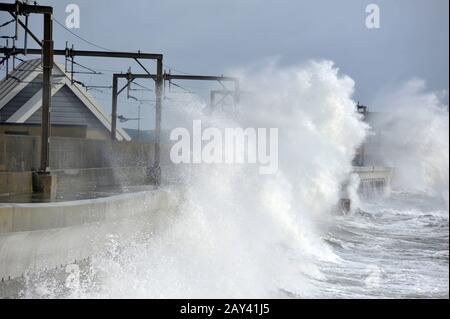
(47, 63)
(158, 116)
(7, 66)
(25, 39)
(114, 108)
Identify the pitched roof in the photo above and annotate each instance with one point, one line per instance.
(26, 73)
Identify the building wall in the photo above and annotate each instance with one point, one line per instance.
(57, 130)
(97, 134)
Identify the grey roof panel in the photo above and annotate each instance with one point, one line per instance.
(22, 71)
(68, 109)
(21, 98)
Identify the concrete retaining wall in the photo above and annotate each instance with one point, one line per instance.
(12, 183)
(374, 179)
(72, 181)
(80, 164)
(22, 153)
(373, 172)
(92, 179)
(19, 153)
(38, 237)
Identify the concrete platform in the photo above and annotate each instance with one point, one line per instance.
(374, 179)
(374, 172)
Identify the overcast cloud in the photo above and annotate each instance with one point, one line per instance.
(211, 37)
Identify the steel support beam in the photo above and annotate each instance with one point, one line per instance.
(107, 54)
(85, 53)
(47, 64)
(156, 171)
(48, 52)
(168, 77)
(159, 78)
(17, 9)
(114, 108)
(23, 8)
(27, 31)
(199, 78)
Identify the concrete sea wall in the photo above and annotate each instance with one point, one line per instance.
(79, 164)
(76, 180)
(374, 179)
(39, 237)
(22, 153)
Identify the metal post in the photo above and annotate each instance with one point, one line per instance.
(47, 63)
(139, 123)
(7, 61)
(65, 60)
(71, 68)
(16, 35)
(158, 116)
(14, 57)
(25, 39)
(114, 108)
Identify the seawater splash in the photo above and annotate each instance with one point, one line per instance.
(237, 233)
(414, 138)
(398, 247)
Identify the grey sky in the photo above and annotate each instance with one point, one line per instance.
(211, 37)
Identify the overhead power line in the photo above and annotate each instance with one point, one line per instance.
(97, 45)
(176, 70)
(86, 68)
(6, 23)
(104, 48)
(179, 86)
(81, 38)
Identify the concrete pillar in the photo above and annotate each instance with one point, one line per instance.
(154, 175)
(45, 184)
(345, 205)
(156, 169)
(47, 65)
